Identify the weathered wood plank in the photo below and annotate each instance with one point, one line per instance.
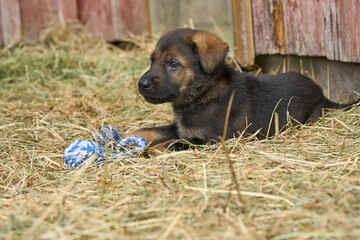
(1, 36)
(330, 33)
(68, 9)
(243, 32)
(37, 14)
(97, 16)
(10, 22)
(264, 27)
(279, 26)
(147, 17)
(304, 27)
(329, 28)
(342, 30)
(130, 17)
(348, 22)
(113, 19)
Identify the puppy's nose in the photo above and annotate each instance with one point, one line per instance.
(145, 83)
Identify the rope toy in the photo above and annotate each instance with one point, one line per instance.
(81, 150)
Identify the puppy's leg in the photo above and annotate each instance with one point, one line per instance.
(157, 138)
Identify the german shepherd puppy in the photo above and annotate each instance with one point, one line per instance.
(188, 69)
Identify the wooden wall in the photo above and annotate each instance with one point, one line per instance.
(113, 19)
(23, 20)
(323, 28)
(328, 28)
(36, 14)
(10, 22)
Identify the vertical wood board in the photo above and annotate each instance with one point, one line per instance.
(113, 19)
(264, 35)
(243, 32)
(147, 17)
(97, 16)
(67, 9)
(10, 22)
(348, 23)
(37, 14)
(1, 37)
(130, 17)
(304, 27)
(329, 28)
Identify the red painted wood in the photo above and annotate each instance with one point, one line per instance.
(329, 28)
(348, 23)
(97, 15)
(113, 19)
(10, 21)
(263, 27)
(68, 9)
(130, 17)
(1, 37)
(304, 27)
(37, 14)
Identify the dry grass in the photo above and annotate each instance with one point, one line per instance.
(302, 185)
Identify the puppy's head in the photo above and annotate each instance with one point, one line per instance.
(181, 57)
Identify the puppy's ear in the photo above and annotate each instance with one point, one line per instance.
(211, 50)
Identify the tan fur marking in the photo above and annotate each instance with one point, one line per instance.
(174, 53)
(184, 77)
(149, 135)
(181, 60)
(185, 74)
(210, 48)
(156, 80)
(159, 148)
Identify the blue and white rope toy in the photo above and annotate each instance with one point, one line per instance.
(81, 150)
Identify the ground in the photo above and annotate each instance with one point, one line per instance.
(302, 184)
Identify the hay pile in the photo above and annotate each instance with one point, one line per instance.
(304, 184)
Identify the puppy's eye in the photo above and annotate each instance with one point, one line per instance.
(173, 64)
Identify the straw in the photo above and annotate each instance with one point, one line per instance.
(303, 184)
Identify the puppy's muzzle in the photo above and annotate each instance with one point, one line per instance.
(145, 84)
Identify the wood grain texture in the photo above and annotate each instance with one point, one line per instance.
(148, 17)
(37, 14)
(304, 27)
(1, 34)
(113, 19)
(343, 30)
(97, 16)
(264, 27)
(279, 28)
(68, 9)
(10, 22)
(243, 32)
(328, 28)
